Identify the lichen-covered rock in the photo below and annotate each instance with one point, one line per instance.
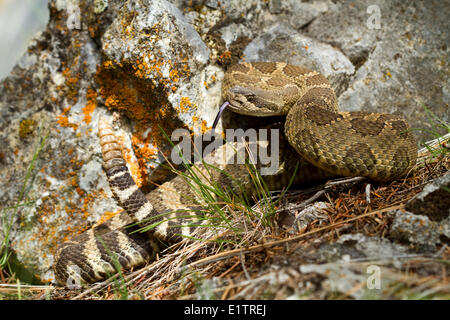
(358, 246)
(433, 201)
(155, 71)
(50, 93)
(415, 229)
(349, 262)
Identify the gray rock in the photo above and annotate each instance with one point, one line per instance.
(298, 13)
(415, 229)
(433, 201)
(358, 246)
(350, 261)
(213, 4)
(339, 277)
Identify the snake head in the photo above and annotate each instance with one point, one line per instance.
(253, 101)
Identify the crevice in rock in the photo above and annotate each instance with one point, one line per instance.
(305, 27)
(97, 23)
(359, 60)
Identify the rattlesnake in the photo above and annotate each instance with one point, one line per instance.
(378, 146)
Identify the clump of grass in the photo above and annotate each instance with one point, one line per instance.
(220, 204)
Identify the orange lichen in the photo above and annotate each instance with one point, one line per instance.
(63, 120)
(77, 210)
(72, 79)
(119, 95)
(91, 104)
(79, 191)
(205, 127)
(185, 104)
(226, 55)
(174, 76)
(73, 182)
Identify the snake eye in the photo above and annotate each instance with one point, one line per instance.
(251, 98)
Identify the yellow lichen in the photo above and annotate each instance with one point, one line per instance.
(26, 127)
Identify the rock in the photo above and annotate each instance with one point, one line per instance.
(213, 4)
(340, 277)
(51, 92)
(415, 229)
(152, 49)
(348, 263)
(358, 246)
(433, 201)
(298, 13)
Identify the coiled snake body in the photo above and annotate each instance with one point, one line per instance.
(375, 145)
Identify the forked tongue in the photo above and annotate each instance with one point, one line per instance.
(219, 114)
